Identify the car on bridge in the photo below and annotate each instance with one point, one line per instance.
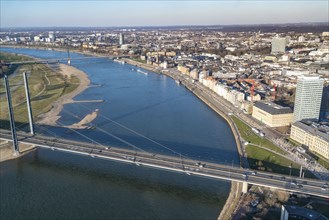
(201, 165)
(250, 173)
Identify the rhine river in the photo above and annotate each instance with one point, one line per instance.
(53, 185)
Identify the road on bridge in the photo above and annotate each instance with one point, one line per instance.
(176, 164)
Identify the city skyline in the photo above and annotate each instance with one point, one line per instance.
(160, 13)
(164, 110)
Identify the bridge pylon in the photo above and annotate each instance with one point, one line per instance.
(245, 187)
(11, 117)
(68, 56)
(28, 103)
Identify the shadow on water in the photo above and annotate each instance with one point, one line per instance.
(198, 152)
(122, 175)
(147, 107)
(214, 154)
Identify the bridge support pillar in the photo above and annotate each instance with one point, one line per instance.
(28, 102)
(68, 56)
(244, 187)
(11, 117)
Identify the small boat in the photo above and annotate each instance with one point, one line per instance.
(119, 61)
(188, 173)
(178, 82)
(140, 71)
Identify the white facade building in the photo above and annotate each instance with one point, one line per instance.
(278, 45)
(308, 98)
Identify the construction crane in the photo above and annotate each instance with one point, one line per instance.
(252, 88)
(274, 92)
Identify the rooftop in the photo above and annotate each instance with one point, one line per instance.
(309, 77)
(315, 129)
(273, 108)
(303, 213)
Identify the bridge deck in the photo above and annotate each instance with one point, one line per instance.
(176, 164)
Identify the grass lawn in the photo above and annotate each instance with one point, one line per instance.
(324, 162)
(46, 86)
(295, 143)
(8, 57)
(261, 159)
(139, 60)
(248, 135)
(321, 160)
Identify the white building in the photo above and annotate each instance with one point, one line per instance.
(51, 37)
(312, 135)
(36, 38)
(278, 45)
(308, 98)
(301, 39)
(121, 39)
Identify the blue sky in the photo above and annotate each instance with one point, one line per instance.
(148, 13)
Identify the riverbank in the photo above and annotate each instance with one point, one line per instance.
(6, 151)
(69, 74)
(61, 50)
(50, 118)
(236, 188)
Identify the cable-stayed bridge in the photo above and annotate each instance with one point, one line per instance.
(139, 157)
(175, 164)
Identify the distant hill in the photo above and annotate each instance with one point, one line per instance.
(314, 27)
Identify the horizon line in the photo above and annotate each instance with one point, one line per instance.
(180, 25)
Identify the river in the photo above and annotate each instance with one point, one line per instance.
(53, 185)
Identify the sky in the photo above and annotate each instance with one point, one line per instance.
(104, 13)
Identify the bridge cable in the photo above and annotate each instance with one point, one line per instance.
(135, 132)
(108, 133)
(99, 144)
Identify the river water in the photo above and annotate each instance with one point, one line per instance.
(161, 117)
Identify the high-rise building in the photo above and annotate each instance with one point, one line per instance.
(51, 36)
(308, 98)
(324, 111)
(121, 39)
(278, 45)
(301, 39)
